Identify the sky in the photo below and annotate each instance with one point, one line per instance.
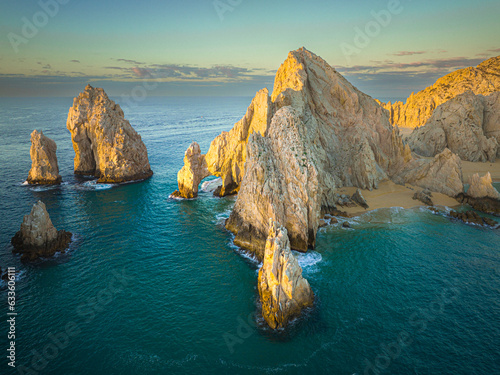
(234, 47)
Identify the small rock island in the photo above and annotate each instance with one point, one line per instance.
(38, 237)
(44, 168)
(106, 146)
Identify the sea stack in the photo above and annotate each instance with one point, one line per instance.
(38, 237)
(481, 195)
(106, 146)
(44, 169)
(284, 293)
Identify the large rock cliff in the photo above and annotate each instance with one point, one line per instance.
(284, 293)
(38, 237)
(105, 143)
(324, 134)
(44, 169)
(484, 79)
(468, 125)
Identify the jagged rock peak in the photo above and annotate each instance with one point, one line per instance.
(44, 168)
(284, 293)
(105, 143)
(483, 79)
(481, 187)
(38, 237)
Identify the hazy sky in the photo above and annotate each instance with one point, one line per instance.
(234, 47)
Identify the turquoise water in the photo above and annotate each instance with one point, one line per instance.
(154, 286)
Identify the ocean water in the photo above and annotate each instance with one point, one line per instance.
(152, 285)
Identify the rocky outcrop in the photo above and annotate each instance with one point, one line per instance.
(424, 196)
(38, 237)
(358, 198)
(481, 187)
(284, 293)
(324, 134)
(461, 124)
(471, 217)
(484, 79)
(481, 195)
(44, 169)
(105, 143)
(227, 153)
(443, 174)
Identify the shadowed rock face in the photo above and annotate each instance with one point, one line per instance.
(105, 144)
(484, 79)
(481, 195)
(38, 237)
(44, 169)
(227, 153)
(284, 293)
(461, 124)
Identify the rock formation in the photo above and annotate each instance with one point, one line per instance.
(44, 169)
(38, 237)
(358, 198)
(317, 133)
(481, 187)
(484, 79)
(227, 153)
(284, 293)
(481, 195)
(471, 217)
(461, 124)
(424, 196)
(105, 144)
(443, 174)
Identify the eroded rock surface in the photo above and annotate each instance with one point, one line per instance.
(483, 79)
(38, 237)
(284, 293)
(481, 187)
(461, 124)
(105, 143)
(44, 168)
(227, 153)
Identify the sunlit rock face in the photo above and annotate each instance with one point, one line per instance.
(38, 237)
(324, 134)
(481, 187)
(284, 293)
(105, 143)
(484, 79)
(461, 124)
(44, 168)
(227, 153)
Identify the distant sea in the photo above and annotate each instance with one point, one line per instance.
(152, 285)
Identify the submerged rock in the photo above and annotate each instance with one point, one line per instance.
(461, 124)
(44, 168)
(105, 144)
(484, 79)
(38, 237)
(471, 217)
(284, 293)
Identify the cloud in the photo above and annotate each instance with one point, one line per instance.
(495, 50)
(47, 67)
(141, 72)
(408, 53)
(133, 62)
(75, 61)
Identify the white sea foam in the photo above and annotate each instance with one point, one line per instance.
(309, 259)
(211, 185)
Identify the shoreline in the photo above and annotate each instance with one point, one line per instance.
(390, 195)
